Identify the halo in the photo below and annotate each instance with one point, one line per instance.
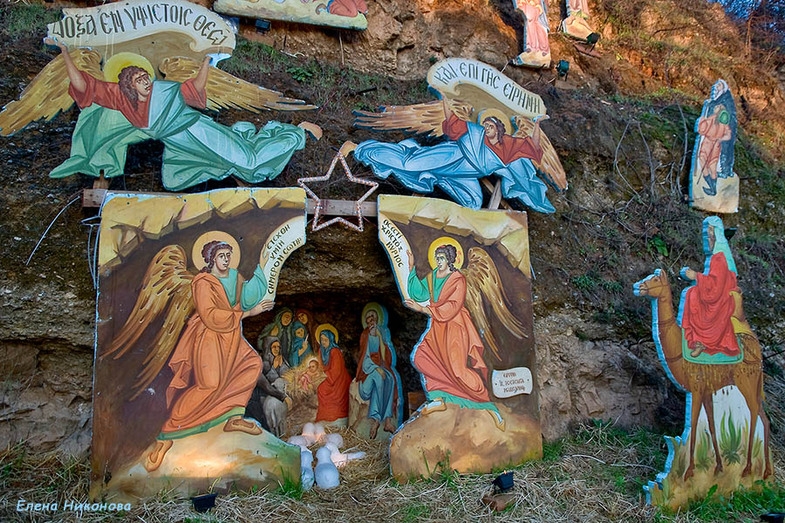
(120, 61)
(380, 314)
(445, 240)
(498, 113)
(196, 250)
(326, 327)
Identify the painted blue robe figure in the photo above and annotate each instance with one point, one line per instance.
(475, 151)
(301, 345)
(197, 149)
(378, 382)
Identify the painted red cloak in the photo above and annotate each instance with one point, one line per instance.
(333, 392)
(508, 148)
(708, 307)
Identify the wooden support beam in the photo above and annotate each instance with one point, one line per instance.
(92, 198)
(496, 198)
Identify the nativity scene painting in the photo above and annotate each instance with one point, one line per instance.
(305, 379)
(174, 372)
(714, 187)
(345, 14)
(490, 127)
(115, 75)
(708, 349)
(468, 272)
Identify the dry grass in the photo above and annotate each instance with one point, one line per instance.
(594, 476)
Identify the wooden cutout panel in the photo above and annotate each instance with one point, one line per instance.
(476, 357)
(171, 360)
(710, 352)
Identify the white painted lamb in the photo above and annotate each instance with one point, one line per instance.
(326, 473)
(306, 468)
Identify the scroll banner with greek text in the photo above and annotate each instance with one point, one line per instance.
(117, 23)
(398, 250)
(279, 245)
(452, 75)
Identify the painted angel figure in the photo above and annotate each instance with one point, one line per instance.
(125, 104)
(214, 368)
(536, 48)
(481, 143)
(451, 354)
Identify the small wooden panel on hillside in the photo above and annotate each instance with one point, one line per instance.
(576, 24)
(714, 187)
(171, 360)
(708, 349)
(346, 14)
(477, 363)
(536, 47)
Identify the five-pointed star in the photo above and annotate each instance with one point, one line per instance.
(320, 203)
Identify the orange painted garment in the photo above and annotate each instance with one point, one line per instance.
(708, 307)
(215, 368)
(108, 94)
(713, 133)
(449, 355)
(333, 392)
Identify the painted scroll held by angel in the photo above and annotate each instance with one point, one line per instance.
(451, 354)
(124, 104)
(481, 142)
(214, 368)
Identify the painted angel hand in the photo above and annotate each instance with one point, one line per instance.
(411, 259)
(54, 41)
(262, 306)
(347, 148)
(462, 110)
(217, 57)
(311, 128)
(540, 117)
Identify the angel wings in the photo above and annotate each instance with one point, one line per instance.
(165, 296)
(47, 95)
(484, 286)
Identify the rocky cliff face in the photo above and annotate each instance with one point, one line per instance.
(625, 160)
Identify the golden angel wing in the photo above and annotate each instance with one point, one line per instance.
(550, 165)
(227, 91)
(47, 94)
(418, 118)
(483, 285)
(166, 290)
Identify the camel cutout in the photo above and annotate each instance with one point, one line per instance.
(701, 380)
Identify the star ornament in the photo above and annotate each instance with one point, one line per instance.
(321, 203)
